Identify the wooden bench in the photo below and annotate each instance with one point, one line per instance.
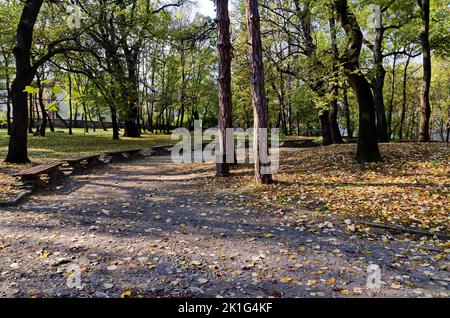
(82, 161)
(122, 153)
(161, 150)
(34, 173)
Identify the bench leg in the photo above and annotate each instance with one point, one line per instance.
(56, 175)
(75, 166)
(28, 183)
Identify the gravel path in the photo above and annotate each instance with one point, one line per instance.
(146, 228)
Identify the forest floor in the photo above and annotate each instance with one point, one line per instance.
(150, 228)
(60, 145)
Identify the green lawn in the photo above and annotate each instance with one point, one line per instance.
(60, 144)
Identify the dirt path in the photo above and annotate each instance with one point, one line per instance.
(145, 228)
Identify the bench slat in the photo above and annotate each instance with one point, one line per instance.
(38, 170)
(117, 152)
(81, 158)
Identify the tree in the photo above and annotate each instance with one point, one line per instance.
(260, 120)
(25, 72)
(367, 150)
(334, 88)
(17, 151)
(425, 107)
(224, 78)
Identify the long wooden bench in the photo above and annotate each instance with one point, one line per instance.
(161, 150)
(122, 153)
(82, 161)
(34, 173)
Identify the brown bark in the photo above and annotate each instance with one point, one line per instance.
(425, 107)
(17, 150)
(367, 150)
(224, 78)
(260, 116)
(71, 107)
(348, 121)
(42, 106)
(31, 119)
(327, 137)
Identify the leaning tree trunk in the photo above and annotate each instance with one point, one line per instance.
(260, 116)
(224, 78)
(367, 150)
(425, 107)
(17, 150)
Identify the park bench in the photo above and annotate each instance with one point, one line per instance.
(126, 153)
(33, 174)
(161, 150)
(82, 161)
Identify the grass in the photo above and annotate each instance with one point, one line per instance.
(60, 144)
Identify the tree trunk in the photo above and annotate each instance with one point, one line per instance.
(317, 71)
(404, 100)
(378, 86)
(100, 120)
(131, 128)
(391, 100)
(17, 150)
(92, 122)
(289, 89)
(224, 78)
(260, 116)
(348, 121)
(333, 115)
(86, 126)
(115, 124)
(180, 120)
(8, 96)
(367, 150)
(447, 133)
(31, 119)
(327, 137)
(75, 117)
(425, 107)
(42, 106)
(70, 107)
(62, 120)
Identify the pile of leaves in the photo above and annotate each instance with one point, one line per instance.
(411, 187)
